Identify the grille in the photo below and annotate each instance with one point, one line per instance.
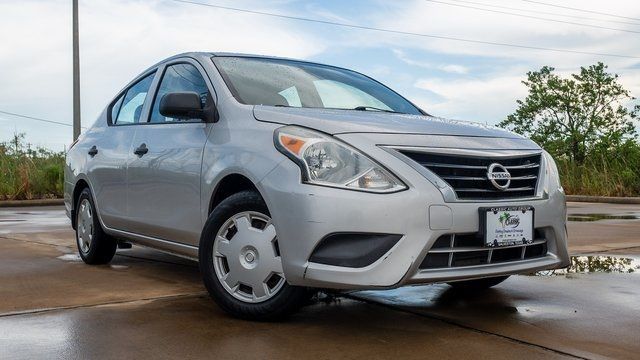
(460, 250)
(468, 175)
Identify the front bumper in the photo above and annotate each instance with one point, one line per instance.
(305, 214)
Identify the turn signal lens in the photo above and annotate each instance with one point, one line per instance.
(294, 145)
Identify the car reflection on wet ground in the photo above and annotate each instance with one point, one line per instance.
(596, 217)
(148, 304)
(585, 264)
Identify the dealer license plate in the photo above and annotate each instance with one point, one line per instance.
(506, 226)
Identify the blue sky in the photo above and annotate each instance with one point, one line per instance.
(447, 78)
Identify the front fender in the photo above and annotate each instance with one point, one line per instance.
(251, 155)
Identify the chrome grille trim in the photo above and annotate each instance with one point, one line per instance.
(447, 254)
(470, 248)
(466, 174)
(488, 190)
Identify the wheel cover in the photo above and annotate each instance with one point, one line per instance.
(246, 257)
(84, 226)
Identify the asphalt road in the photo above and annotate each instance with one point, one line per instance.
(148, 304)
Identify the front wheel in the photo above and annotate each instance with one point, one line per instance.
(478, 284)
(241, 264)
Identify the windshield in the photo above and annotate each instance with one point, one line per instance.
(276, 82)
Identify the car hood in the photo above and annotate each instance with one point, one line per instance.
(353, 121)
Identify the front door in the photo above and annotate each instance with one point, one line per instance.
(164, 169)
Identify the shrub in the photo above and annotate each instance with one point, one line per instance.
(26, 173)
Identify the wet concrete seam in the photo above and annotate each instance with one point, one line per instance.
(34, 242)
(610, 250)
(117, 254)
(121, 302)
(463, 326)
(156, 260)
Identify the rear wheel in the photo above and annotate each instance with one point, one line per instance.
(241, 264)
(95, 247)
(478, 284)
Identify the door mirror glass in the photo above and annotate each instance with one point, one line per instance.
(181, 105)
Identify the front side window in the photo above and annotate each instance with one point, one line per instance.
(278, 82)
(179, 78)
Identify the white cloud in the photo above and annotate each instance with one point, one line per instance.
(450, 68)
(116, 34)
(486, 100)
(420, 16)
(492, 97)
(118, 39)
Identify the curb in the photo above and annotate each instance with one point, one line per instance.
(603, 199)
(38, 202)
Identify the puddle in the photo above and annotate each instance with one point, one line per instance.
(70, 257)
(119, 267)
(596, 264)
(596, 217)
(64, 249)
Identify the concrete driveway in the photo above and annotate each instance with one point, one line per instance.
(148, 304)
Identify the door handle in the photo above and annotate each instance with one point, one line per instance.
(141, 150)
(93, 151)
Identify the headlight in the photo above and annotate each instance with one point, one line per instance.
(326, 161)
(552, 169)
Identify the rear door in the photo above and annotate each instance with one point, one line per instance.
(164, 176)
(109, 152)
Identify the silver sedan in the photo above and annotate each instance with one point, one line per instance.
(282, 176)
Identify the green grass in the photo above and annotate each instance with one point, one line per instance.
(603, 175)
(27, 173)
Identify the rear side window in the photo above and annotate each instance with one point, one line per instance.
(116, 108)
(130, 106)
(179, 78)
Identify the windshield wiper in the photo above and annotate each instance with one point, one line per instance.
(368, 108)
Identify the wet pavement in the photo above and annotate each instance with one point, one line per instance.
(586, 315)
(614, 236)
(146, 304)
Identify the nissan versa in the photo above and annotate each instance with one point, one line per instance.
(282, 176)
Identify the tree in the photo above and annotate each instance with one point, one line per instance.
(576, 116)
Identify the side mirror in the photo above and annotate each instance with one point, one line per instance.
(182, 105)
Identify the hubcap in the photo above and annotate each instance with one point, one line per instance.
(84, 226)
(247, 259)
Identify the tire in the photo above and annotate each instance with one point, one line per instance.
(477, 285)
(95, 247)
(244, 277)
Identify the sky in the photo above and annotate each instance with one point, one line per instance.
(453, 79)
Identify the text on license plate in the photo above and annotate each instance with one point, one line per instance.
(505, 226)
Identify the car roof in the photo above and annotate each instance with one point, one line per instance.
(209, 54)
(201, 55)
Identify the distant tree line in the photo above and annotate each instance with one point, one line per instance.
(587, 122)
